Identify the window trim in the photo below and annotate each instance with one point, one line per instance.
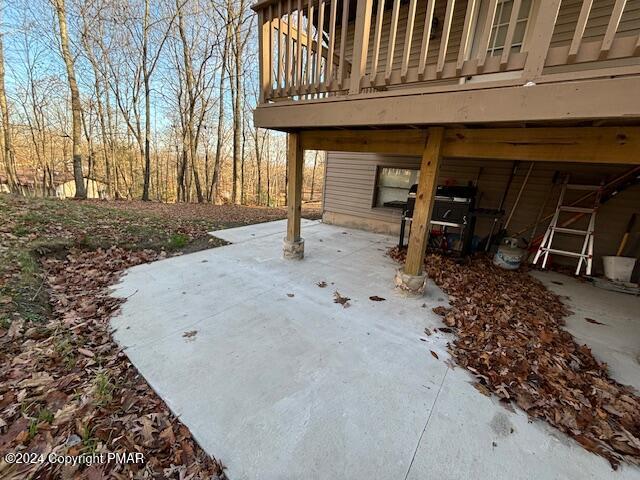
(496, 26)
(376, 185)
(478, 27)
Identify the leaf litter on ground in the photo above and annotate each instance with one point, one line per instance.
(65, 385)
(509, 334)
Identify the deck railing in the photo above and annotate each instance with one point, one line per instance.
(312, 49)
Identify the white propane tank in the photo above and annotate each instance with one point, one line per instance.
(509, 256)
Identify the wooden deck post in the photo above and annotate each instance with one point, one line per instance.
(293, 243)
(265, 45)
(360, 44)
(424, 202)
(538, 48)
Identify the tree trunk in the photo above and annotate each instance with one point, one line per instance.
(9, 158)
(237, 99)
(147, 103)
(215, 181)
(259, 151)
(76, 106)
(313, 175)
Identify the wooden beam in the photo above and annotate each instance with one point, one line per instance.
(619, 145)
(407, 142)
(482, 102)
(606, 145)
(424, 201)
(295, 162)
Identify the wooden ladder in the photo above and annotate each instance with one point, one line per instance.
(585, 256)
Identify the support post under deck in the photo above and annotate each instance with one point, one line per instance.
(411, 278)
(294, 244)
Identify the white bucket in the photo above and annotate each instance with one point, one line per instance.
(618, 269)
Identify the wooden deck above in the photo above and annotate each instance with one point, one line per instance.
(339, 63)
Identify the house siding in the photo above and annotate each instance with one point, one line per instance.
(351, 177)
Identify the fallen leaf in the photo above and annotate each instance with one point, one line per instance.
(85, 352)
(344, 301)
(37, 379)
(434, 354)
(375, 298)
(595, 322)
(482, 389)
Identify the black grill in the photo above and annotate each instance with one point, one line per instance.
(453, 207)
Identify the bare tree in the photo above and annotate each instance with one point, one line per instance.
(76, 105)
(127, 61)
(221, 107)
(148, 67)
(9, 158)
(240, 18)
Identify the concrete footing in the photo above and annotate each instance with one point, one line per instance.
(293, 250)
(414, 285)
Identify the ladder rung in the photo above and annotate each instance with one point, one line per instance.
(571, 231)
(564, 252)
(566, 208)
(573, 186)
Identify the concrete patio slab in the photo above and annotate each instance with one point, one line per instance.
(280, 382)
(615, 339)
(259, 230)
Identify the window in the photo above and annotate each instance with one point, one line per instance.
(501, 24)
(393, 184)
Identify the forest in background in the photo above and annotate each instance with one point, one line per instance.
(153, 99)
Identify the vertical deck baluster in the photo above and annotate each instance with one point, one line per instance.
(408, 38)
(486, 34)
(511, 30)
(300, 33)
(279, 68)
(612, 28)
(393, 30)
(287, 51)
(332, 41)
(444, 42)
(319, 34)
(579, 32)
(293, 32)
(343, 41)
(377, 36)
(426, 36)
(465, 40)
(309, 65)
